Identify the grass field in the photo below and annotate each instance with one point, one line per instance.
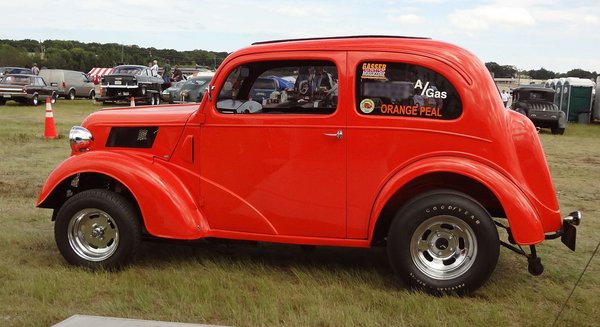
(276, 285)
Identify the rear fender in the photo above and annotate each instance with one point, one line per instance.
(167, 206)
(524, 220)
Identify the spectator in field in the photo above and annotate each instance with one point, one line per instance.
(177, 74)
(154, 68)
(505, 98)
(167, 72)
(35, 70)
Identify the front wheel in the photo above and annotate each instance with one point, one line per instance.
(97, 229)
(443, 242)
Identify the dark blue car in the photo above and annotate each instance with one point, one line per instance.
(264, 86)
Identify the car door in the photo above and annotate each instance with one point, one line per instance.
(275, 167)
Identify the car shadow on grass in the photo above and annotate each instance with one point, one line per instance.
(271, 257)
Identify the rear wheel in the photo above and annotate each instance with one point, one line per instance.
(558, 130)
(71, 95)
(97, 229)
(443, 242)
(35, 100)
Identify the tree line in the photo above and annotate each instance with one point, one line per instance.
(507, 71)
(74, 55)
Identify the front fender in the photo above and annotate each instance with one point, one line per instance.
(523, 218)
(167, 206)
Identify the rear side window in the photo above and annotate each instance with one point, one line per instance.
(405, 90)
(281, 87)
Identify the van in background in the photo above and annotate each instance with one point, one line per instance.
(70, 83)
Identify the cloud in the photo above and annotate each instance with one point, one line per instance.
(483, 18)
(405, 19)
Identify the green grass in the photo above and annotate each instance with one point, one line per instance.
(243, 284)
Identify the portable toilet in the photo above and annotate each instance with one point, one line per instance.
(551, 83)
(576, 99)
(596, 109)
(559, 92)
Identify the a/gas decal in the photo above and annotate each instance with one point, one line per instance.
(367, 106)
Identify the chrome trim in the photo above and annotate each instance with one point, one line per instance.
(120, 86)
(80, 139)
(339, 134)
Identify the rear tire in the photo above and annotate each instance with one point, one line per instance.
(558, 130)
(97, 229)
(71, 95)
(443, 242)
(34, 100)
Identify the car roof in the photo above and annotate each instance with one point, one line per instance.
(458, 58)
(539, 88)
(21, 75)
(131, 66)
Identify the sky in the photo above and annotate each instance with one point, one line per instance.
(529, 34)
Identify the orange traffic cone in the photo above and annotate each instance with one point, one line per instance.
(132, 102)
(50, 129)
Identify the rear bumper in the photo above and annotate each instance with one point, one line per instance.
(15, 95)
(568, 232)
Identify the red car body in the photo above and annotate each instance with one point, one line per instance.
(335, 179)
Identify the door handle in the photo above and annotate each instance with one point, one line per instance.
(339, 134)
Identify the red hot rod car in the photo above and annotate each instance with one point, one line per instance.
(380, 141)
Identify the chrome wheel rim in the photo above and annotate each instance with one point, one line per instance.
(93, 234)
(443, 247)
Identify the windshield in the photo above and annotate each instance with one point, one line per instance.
(18, 80)
(196, 83)
(127, 70)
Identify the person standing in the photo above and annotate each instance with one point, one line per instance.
(177, 74)
(167, 72)
(35, 70)
(505, 97)
(154, 69)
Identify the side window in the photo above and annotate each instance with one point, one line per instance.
(405, 90)
(280, 87)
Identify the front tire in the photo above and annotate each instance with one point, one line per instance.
(71, 95)
(97, 229)
(443, 242)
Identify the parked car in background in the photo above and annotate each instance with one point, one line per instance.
(193, 89)
(14, 70)
(537, 103)
(127, 81)
(69, 83)
(171, 94)
(264, 86)
(25, 89)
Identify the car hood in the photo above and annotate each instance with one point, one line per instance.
(145, 115)
(120, 128)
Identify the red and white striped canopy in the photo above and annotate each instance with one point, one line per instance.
(97, 71)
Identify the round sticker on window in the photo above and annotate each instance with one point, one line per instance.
(367, 106)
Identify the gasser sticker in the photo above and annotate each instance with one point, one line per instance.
(367, 106)
(373, 71)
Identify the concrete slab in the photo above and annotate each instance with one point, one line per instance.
(83, 320)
